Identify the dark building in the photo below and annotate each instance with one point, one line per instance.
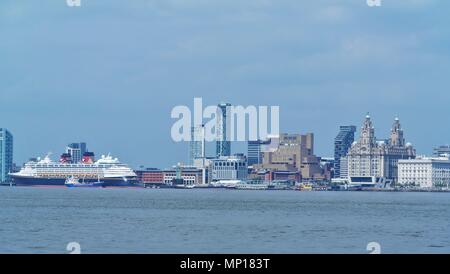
(255, 152)
(223, 144)
(342, 144)
(6, 155)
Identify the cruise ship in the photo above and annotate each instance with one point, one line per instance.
(45, 172)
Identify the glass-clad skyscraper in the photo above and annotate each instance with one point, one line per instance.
(255, 151)
(342, 143)
(223, 144)
(197, 144)
(76, 151)
(6, 154)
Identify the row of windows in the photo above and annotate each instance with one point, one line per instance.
(425, 171)
(229, 164)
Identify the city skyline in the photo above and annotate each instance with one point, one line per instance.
(211, 152)
(323, 71)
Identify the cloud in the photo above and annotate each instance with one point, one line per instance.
(324, 62)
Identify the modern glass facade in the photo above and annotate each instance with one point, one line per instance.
(342, 144)
(223, 145)
(76, 151)
(197, 144)
(6, 155)
(255, 151)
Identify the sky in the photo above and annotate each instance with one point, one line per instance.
(110, 71)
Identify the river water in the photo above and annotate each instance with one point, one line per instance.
(46, 220)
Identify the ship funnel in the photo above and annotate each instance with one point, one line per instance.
(88, 158)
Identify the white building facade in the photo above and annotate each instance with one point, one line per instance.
(343, 168)
(229, 168)
(424, 173)
(369, 157)
(197, 144)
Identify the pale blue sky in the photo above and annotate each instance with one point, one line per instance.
(110, 71)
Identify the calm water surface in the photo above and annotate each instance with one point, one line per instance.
(34, 220)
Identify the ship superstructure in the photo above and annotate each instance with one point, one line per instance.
(47, 172)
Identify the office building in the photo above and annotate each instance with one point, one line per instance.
(424, 173)
(378, 159)
(150, 176)
(223, 144)
(255, 150)
(275, 175)
(6, 155)
(229, 168)
(76, 151)
(343, 174)
(197, 144)
(189, 175)
(292, 152)
(327, 166)
(342, 144)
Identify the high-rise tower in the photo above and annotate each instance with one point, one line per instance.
(6, 154)
(223, 144)
(342, 144)
(76, 151)
(197, 144)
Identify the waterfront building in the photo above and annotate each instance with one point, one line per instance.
(6, 155)
(223, 144)
(327, 166)
(441, 151)
(275, 175)
(255, 151)
(189, 175)
(424, 172)
(197, 144)
(293, 152)
(76, 151)
(342, 144)
(150, 175)
(229, 168)
(343, 168)
(379, 159)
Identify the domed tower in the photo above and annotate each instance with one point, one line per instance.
(367, 137)
(397, 138)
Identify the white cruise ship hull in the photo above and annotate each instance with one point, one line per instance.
(108, 182)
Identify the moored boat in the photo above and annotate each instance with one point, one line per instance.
(74, 182)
